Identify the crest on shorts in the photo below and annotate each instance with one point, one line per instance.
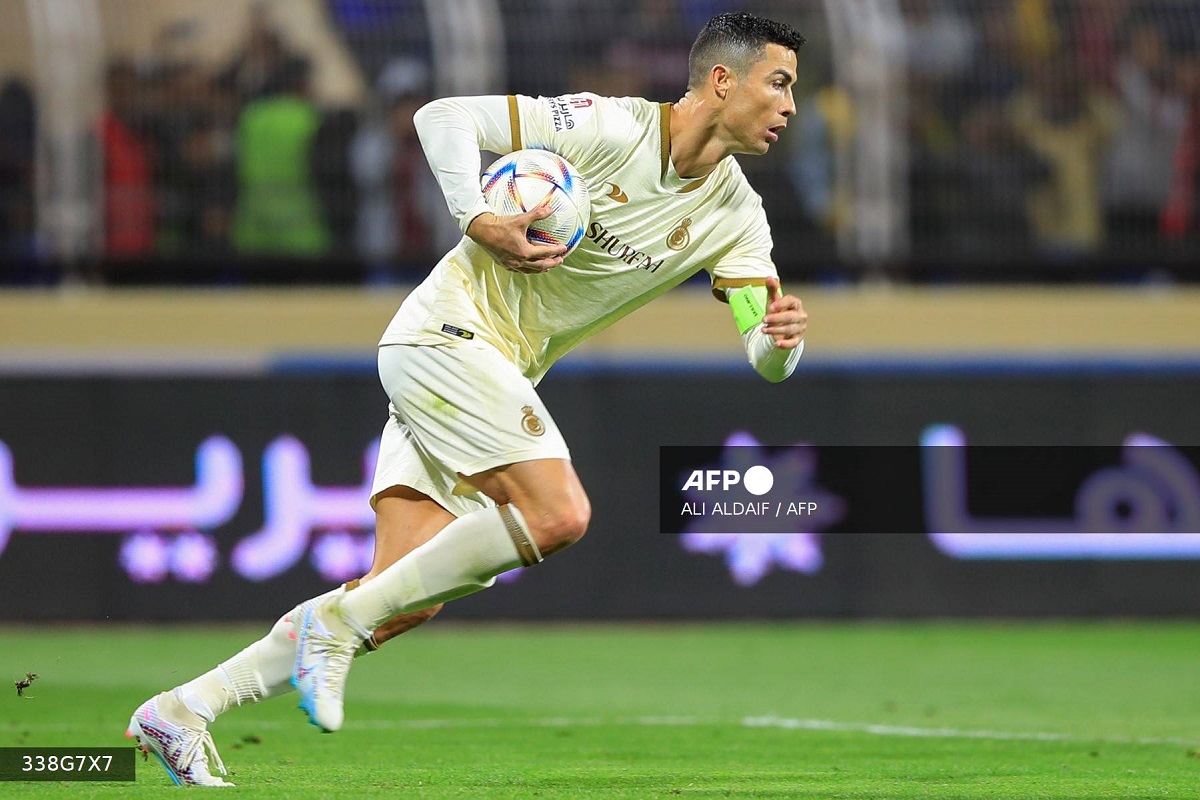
(679, 238)
(532, 424)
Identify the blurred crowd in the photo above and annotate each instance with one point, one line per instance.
(1054, 131)
(1061, 129)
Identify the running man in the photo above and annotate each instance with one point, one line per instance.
(473, 477)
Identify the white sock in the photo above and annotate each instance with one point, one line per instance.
(462, 558)
(262, 670)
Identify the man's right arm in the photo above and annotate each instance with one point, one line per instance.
(452, 131)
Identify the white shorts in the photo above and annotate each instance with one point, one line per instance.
(457, 409)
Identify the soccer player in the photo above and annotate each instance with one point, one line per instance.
(473, 477)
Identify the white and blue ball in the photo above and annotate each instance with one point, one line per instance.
(526, 179)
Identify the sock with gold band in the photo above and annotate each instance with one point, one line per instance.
(462, 558)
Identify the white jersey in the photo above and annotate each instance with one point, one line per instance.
(650, 229)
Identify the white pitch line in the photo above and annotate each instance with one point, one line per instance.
(876, 729)
(780, 723)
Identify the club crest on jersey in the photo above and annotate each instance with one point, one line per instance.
(532, 424)
(679, 238)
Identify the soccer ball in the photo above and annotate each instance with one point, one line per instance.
(526, 179)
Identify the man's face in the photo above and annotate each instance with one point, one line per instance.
(760, 103)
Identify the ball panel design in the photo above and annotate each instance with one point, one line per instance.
(525, 179)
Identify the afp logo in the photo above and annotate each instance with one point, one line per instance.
(757, 480)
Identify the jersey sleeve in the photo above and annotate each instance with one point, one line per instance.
(773, 363)
(582, 128)
(453, 131)
(747, 262)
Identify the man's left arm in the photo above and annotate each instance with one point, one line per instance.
(771, 323)
(772, 326)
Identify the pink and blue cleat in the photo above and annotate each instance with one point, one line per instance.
(165, 728)
(323, 656)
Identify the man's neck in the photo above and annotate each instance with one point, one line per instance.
(696, 143)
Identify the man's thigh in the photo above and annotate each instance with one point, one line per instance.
(468, 408)
(403, 462)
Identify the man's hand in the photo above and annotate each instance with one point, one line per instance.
(504, 239)
(786, 319)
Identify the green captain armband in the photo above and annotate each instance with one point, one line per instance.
(749, 304)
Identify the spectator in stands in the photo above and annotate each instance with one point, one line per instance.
(1069, 128)
(181, 109)
(988, 182)
(401, 217)
(1154, 116)
(255, 69)
(823, 140)
(938, 44)
(375, 31)
(278, 212)
(1180, 218)
(1039, 36)
(207, 182)
(697, 12)
(977, 186)
(995, 71)
(333, 176)
(1178, 19)
(938, 41)
(654, 46)
(129, 198)
(1095, 28)
(571, 59)
(18, 133)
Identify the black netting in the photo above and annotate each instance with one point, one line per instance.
(252, 142)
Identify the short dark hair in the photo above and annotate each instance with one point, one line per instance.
(736, 40)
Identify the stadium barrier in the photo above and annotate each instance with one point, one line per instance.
(221, 497)
(92, 329)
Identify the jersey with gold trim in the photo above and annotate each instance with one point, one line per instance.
(650, 230)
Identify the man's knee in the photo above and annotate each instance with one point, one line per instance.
(554, 509)
(560, 524)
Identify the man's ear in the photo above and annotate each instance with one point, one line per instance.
(722, 79)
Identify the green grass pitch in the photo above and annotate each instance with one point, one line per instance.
(821, 710)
